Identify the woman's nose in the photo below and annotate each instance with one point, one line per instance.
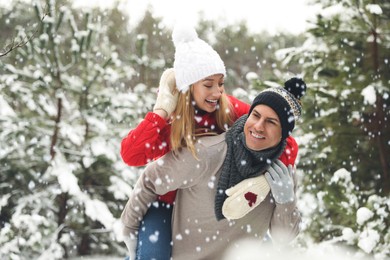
(217, 92)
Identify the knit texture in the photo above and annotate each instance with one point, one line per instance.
(241, 162)
(194, 58)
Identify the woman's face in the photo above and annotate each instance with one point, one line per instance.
(207, 92)
(262, 129)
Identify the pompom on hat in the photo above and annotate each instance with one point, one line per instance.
(194, 58)
(285, 102)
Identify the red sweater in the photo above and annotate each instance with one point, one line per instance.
(150, 140)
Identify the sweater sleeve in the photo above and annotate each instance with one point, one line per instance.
(168, 173)
(148, 141)
(290, 152)
(240, 108)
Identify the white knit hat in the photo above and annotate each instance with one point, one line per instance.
(194, 58)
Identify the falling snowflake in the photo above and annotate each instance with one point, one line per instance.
(154, 237)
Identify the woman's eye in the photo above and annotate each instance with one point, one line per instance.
(221, 84)
(208, 86)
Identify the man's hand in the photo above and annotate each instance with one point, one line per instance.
(280, 180)
(245, 196)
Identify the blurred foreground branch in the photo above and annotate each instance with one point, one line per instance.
(17, 44)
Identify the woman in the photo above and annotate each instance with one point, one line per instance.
(196, 84)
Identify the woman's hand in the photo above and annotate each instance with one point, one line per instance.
(167, 95)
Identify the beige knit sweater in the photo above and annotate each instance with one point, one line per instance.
(196, 234)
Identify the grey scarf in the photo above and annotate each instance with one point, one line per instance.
(241, 162)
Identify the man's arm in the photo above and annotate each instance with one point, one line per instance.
(286, 219)
(170, 172)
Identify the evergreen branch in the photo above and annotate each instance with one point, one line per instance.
(14, 45)
(366, 21)
(56, 129)
(17, 44)
(85, 230)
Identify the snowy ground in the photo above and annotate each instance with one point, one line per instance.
(105, 257)
(252, 251)
(318, 252)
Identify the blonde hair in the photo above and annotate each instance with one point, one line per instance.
(183, 129)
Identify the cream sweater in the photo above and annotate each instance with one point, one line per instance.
(196, 234)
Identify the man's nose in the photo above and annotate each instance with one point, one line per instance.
(259, 126)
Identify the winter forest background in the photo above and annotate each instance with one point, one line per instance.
(73, 83)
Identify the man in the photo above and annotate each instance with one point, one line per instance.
(223, 196)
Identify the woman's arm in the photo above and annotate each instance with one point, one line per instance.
(148, 141)
(290, 153)
(240, 108)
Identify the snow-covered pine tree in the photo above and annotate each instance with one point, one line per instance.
(345, 61)
(64, 107)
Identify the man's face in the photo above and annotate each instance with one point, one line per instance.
(262, 129)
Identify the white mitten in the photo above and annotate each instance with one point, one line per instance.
(167, 93)
(131, 244)
(245, 196)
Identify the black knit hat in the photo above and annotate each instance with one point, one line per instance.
(285, 102)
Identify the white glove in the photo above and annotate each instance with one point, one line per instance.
(131, 244)
(280, 179)
(245, 196)
(167, 93)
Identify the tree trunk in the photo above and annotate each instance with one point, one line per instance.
(62, 202)
(380, 117)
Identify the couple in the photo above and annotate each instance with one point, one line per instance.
(229, 186)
